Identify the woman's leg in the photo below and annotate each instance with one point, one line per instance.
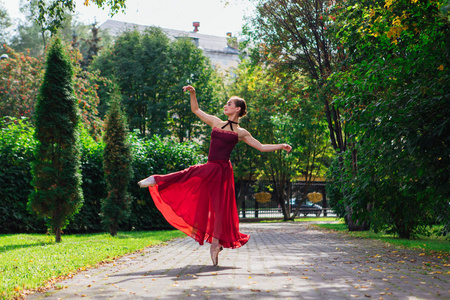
(214, 251)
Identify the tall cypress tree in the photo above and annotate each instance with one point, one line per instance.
(57, 194)
(117, 160)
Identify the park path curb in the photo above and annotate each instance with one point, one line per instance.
(281, 261)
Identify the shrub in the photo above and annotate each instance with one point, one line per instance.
(151, 156)
(117, 161)
(16, 153)
(156, 156)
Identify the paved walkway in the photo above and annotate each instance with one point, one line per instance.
(281, 261)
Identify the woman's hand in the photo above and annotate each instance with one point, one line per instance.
(189, 88)
(286, 147)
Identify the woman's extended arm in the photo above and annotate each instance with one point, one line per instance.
(208, 119)
(251, 141)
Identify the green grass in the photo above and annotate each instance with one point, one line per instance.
(305, 219)
(315, 219)
(434, 245)
(29, 261)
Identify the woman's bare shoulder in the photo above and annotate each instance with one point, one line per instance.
(242, 133)
(216, 122)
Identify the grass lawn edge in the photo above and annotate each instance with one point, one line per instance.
(51, 282)
(428, 247)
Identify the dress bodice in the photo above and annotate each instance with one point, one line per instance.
(222, 143)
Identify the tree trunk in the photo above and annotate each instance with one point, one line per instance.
(113, 228)
(355, 226)
(283, 209)
(305, 193)
(58, 235)
(243, 187)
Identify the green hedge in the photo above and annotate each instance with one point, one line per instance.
(150, 156)
(16, 153)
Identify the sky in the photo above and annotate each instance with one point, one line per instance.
(216, 17)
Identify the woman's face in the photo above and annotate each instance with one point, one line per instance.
(230, 108)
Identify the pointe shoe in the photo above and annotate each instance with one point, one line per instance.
(214, 251)
(149, 181)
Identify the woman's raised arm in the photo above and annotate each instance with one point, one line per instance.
(208, 119)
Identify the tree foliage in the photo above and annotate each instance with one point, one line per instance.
(51, 14)
(394, 95)
(117, 161)
(151, 71)
(380, 68)
(57, 191)
(294, 36)
(293, 41)
(5, 24)
(22, 75)
(280, 111)
(188, 65)
(19, 84)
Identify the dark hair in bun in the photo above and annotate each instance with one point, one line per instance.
(239, 102)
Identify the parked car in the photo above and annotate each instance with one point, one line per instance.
(306, 208)
(310, 208)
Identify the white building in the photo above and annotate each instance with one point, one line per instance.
(222, 56)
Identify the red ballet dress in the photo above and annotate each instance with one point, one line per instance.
(200, 200)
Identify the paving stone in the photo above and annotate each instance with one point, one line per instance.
(281, 261)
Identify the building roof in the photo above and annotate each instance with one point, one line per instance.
(208, 43)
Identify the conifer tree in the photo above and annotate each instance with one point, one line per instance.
(57, 194)
(117, 160)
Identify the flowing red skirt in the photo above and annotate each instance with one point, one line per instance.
(200, 202)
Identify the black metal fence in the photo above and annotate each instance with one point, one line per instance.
(251, 207)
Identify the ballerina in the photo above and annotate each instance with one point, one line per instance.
(200, 200)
